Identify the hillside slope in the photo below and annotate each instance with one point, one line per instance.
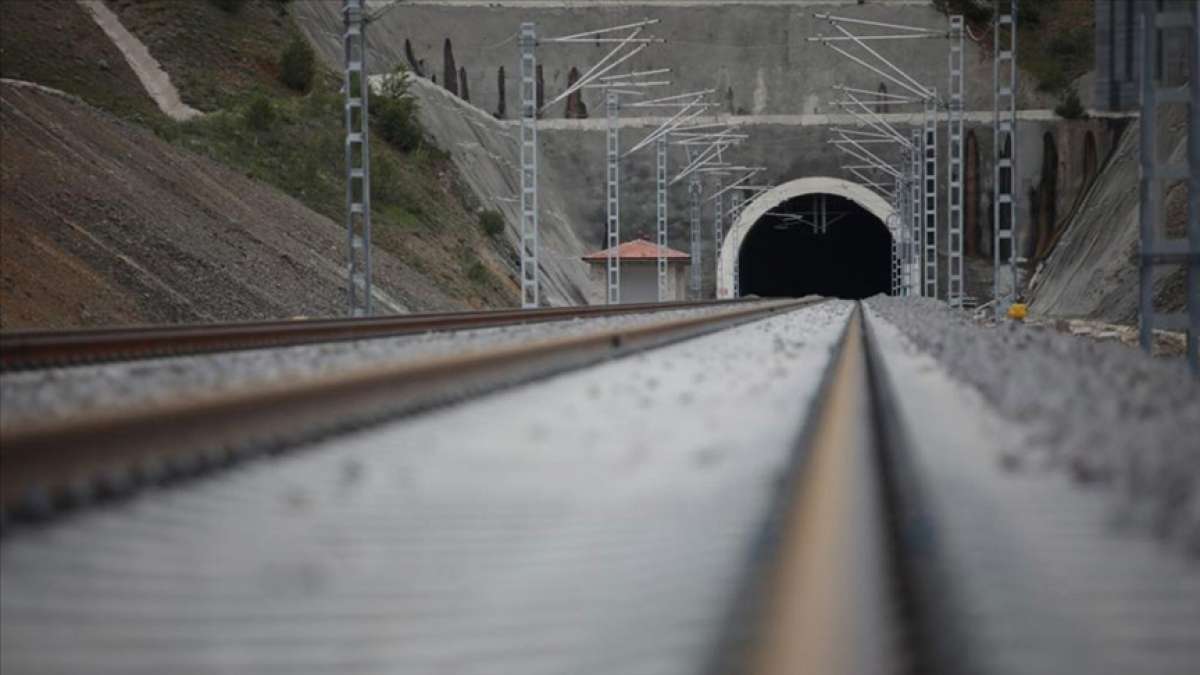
(104, 223)
(109, 238)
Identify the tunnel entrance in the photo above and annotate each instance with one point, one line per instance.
(816, 244)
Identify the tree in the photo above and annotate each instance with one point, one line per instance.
(541, 90)
(576, 109)
(500, 106)
(394, 112)
(449, 71)
(412, 59)
(462, 84)
(297, 64)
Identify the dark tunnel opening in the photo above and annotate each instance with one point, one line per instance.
(788, 253)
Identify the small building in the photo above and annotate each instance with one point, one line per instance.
(639, 272)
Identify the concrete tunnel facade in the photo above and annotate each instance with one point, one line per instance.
(755, 211)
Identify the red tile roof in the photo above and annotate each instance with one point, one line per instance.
(638, 249)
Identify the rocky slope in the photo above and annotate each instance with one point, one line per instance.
(105, 223)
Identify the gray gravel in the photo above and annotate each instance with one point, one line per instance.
(59, 392)
(593, 522)
(1107, 414)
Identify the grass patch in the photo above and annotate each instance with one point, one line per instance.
(57, 44)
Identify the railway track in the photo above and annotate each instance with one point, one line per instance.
(23, 350)
(756, 491)
(63, 462)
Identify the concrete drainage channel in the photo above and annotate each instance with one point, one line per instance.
(766, 497)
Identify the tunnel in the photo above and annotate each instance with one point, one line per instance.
(816, 244)
(815, 235)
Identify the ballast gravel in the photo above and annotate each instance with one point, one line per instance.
(45, 395)
(1106, 414)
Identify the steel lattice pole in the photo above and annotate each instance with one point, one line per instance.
(660, 147)
(738, 203)
(914, 203)
(529, 169)
(718, 223)
(954, 279)
(694, 190)
(1157, 173)
(358, 159)
(1004, 153)
(613, 230)
(929, 147)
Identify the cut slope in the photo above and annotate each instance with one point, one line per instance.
(104, 223)
(1092, 272)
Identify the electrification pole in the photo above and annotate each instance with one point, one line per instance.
(529, 169)
(612, 104)
(530, 275)
(954, 200)
(1158, 173)
(930, 151)
(1004, 153)
(358, 159)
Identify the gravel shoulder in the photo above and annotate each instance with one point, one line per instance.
(1107, 415)
(60, 392)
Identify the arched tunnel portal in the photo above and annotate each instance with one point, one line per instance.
(811, 236)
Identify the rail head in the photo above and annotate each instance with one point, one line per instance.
(26, 350)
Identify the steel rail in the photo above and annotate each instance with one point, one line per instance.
(23, 350)
(48, 466)
(826, 590)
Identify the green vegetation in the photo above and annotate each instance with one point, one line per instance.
(259, 115)
(58, 45)
(1055, 37)
(974, 11)
(394, 112)
(297, 64)
(491, 222)
(1070, 107)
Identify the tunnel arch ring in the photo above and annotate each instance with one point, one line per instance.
(872, 201)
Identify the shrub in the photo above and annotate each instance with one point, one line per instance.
(394, 112)
(231, 6)
(297, 64)
(260, 114)
(491, 222)
(1071, 108)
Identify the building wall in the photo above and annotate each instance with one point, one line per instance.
(639, 283)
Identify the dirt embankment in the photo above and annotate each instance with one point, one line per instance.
(103, 223)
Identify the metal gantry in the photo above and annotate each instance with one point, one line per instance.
(1158, 174)
(923, 165)
(530, 289)
(954, 137)
(689, 107)
(358, 158)
(1004, 155)
(626, 48)
(929, 151)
